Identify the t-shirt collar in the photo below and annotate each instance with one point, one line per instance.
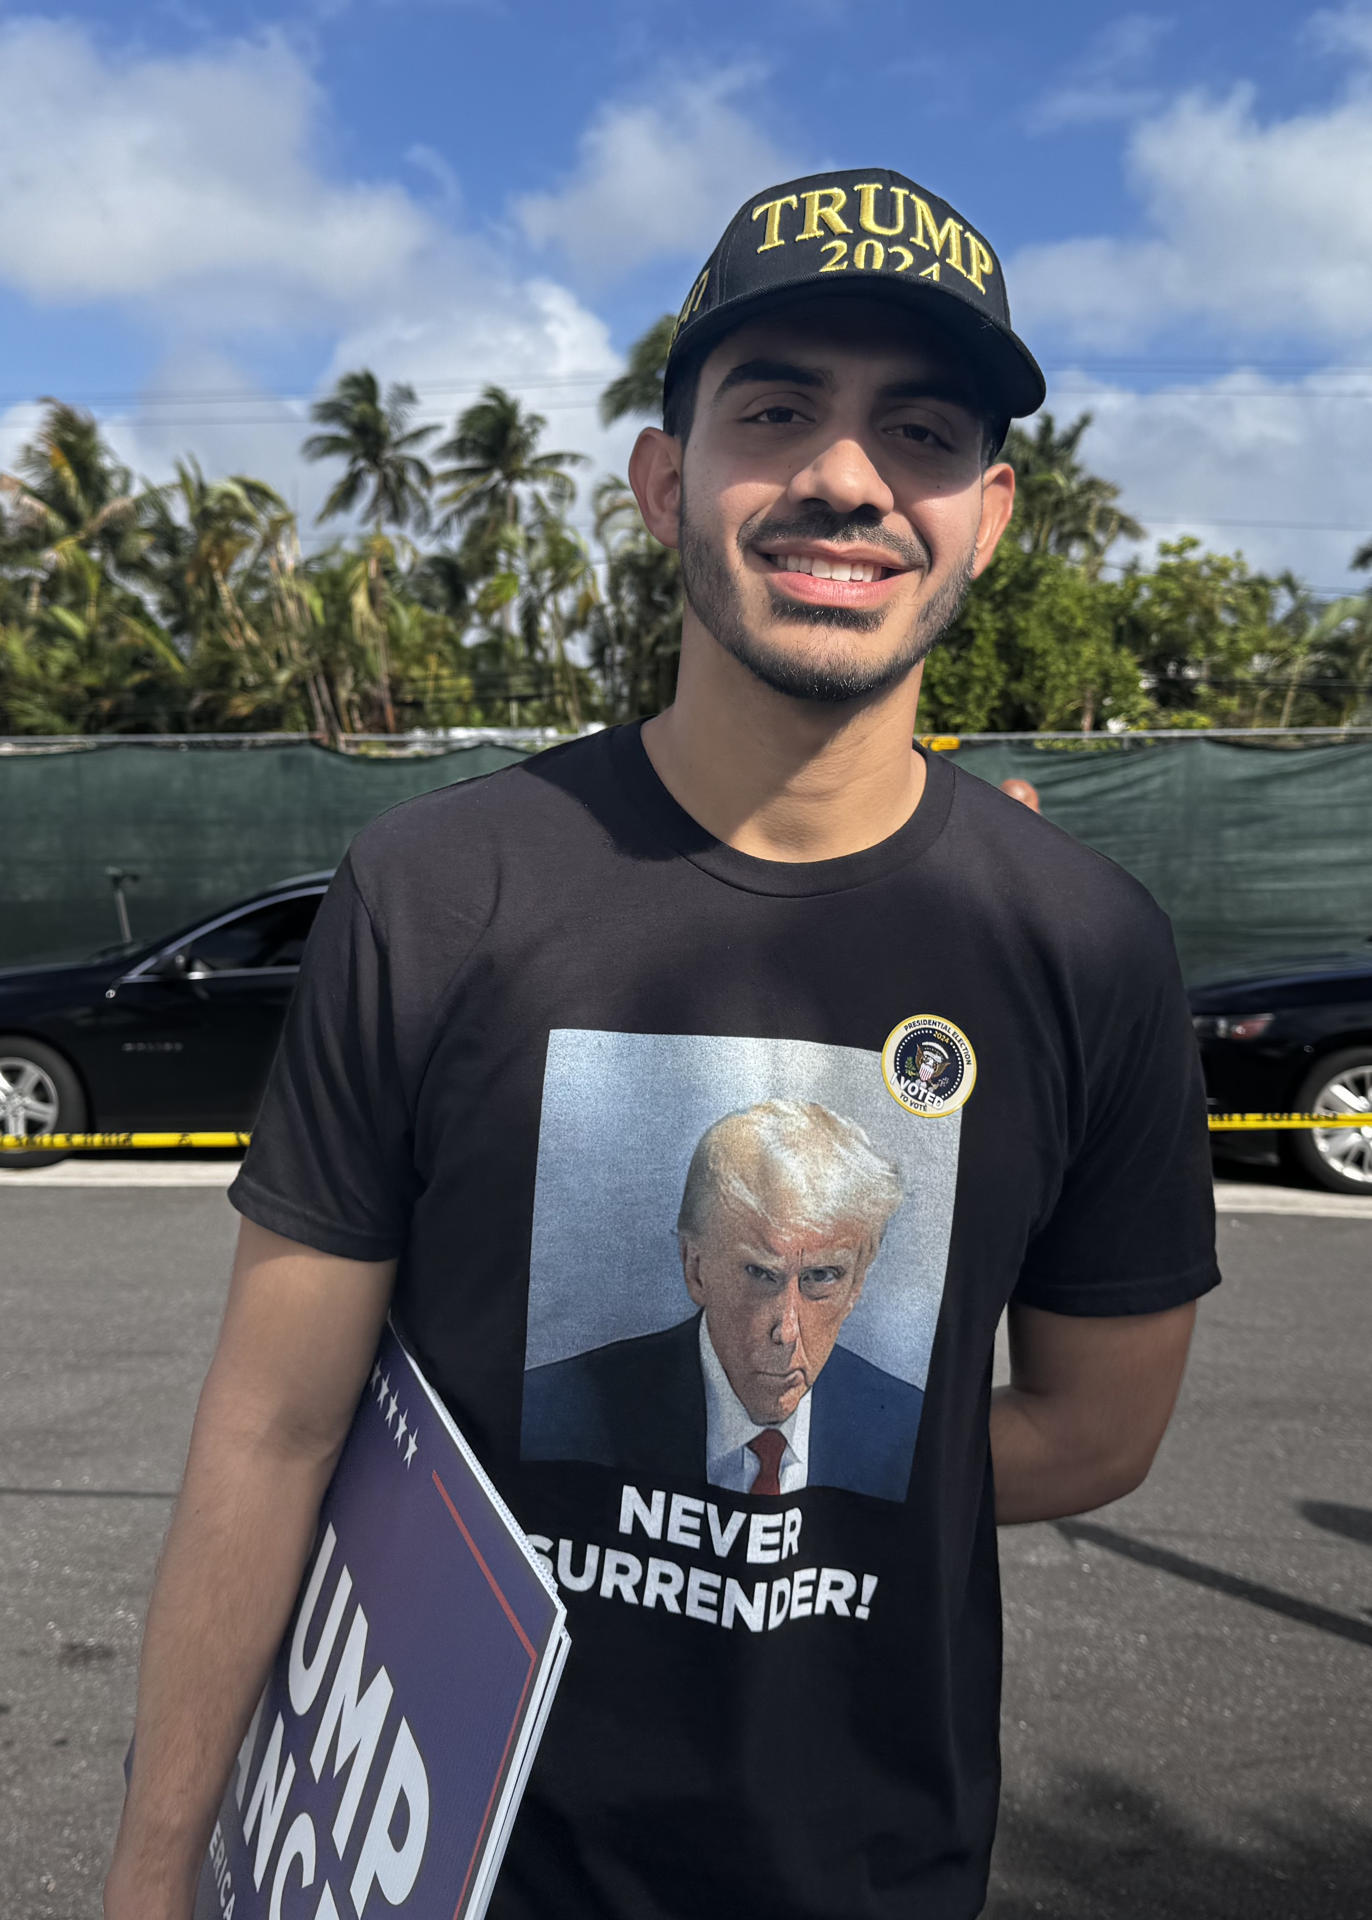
(673, 824)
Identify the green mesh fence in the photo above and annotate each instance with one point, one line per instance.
(200, 826)
(1255, 851)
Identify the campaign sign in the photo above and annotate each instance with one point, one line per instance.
(384, 1763)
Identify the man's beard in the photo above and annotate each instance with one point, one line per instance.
(717, 603)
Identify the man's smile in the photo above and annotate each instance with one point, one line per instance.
(822, 574)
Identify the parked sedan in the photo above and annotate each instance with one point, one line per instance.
(1296, 1039)
(170, 1036)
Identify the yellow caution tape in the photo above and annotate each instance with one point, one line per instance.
(107, 1142)
(112, 1142)
(941, 742)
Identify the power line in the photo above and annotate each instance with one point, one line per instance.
(172, 396)
(1278, 526)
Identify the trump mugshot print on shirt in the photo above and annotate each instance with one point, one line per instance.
(738, 1257)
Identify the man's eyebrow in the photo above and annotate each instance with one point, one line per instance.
(926, 389)
(786, 373)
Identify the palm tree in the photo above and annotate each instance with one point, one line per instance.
(91, 661)
(559, 592)
(639, 388)
(79, 650)
(68, 498)
(373, 434)
(1059, 506)
(498, 477)
(225, 556)
(635, 626)
(496, 467)
(201, 534)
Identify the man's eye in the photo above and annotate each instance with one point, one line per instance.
(759, 1273)
(777, 416)
(822, 1276)
(921, 436)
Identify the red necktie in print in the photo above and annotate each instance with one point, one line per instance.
(769, 1445)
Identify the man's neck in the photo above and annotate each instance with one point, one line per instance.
(779, 778)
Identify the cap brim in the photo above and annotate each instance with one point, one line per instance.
(1007, 372)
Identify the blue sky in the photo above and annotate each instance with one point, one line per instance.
(208, 209)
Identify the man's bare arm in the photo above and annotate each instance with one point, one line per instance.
(1088, 1402)
(299, 1333)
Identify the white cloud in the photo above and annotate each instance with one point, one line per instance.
(1104, 84)
(656, 179)
(139, 178)
(1256, 227)
(534, 338)
(1343, 30)
(1246, 463)
(187, 189)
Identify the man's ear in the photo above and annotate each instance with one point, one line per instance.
(997, 504)
(655, 476)
(690, 1268)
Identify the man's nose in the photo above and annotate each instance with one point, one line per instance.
(786, 1325)
(844, 476)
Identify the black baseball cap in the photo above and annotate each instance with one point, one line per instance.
(865, 230)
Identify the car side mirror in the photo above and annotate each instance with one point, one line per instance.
(179, 964)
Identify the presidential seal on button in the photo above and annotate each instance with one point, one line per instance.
(928, 1065)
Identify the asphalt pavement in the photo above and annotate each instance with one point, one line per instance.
(1186, 1727)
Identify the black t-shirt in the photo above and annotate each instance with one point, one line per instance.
(909, 1086)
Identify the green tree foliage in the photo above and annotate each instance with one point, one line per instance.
(1036, 647)
(635, 630)
(496, 469)
(474, 594)
(1060, 507)
(639, 388)
(373, 436)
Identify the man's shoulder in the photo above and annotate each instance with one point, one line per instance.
(849, 1374)
(1076, 898)
(864, 1425)
(630, 1401)
(432, 868)
(634, 1359)
(465, 814)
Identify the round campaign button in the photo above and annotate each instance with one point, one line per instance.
(928, 1065)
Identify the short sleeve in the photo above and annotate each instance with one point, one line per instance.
(1133, 1229)
(330, 1162)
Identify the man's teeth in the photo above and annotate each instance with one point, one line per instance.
(827, 569)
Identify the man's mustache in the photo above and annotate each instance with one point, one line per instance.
(836, 529)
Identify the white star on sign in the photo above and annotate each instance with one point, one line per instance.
(385, 1388)
(393, 1408)
(410, 1447)
(376, 1373)
(402, 1428)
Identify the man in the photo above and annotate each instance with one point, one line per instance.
(767, 859)
(1022, 790)
(783, 1213)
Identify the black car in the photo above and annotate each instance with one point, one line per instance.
(1295, 1038)
(172, 1035)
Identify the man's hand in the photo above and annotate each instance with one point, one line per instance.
(1088, 1402)
(299, 1333)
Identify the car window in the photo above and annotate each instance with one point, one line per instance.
(269, 936)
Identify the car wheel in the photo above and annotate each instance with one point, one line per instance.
(39, 1093)
(1338, 1158)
